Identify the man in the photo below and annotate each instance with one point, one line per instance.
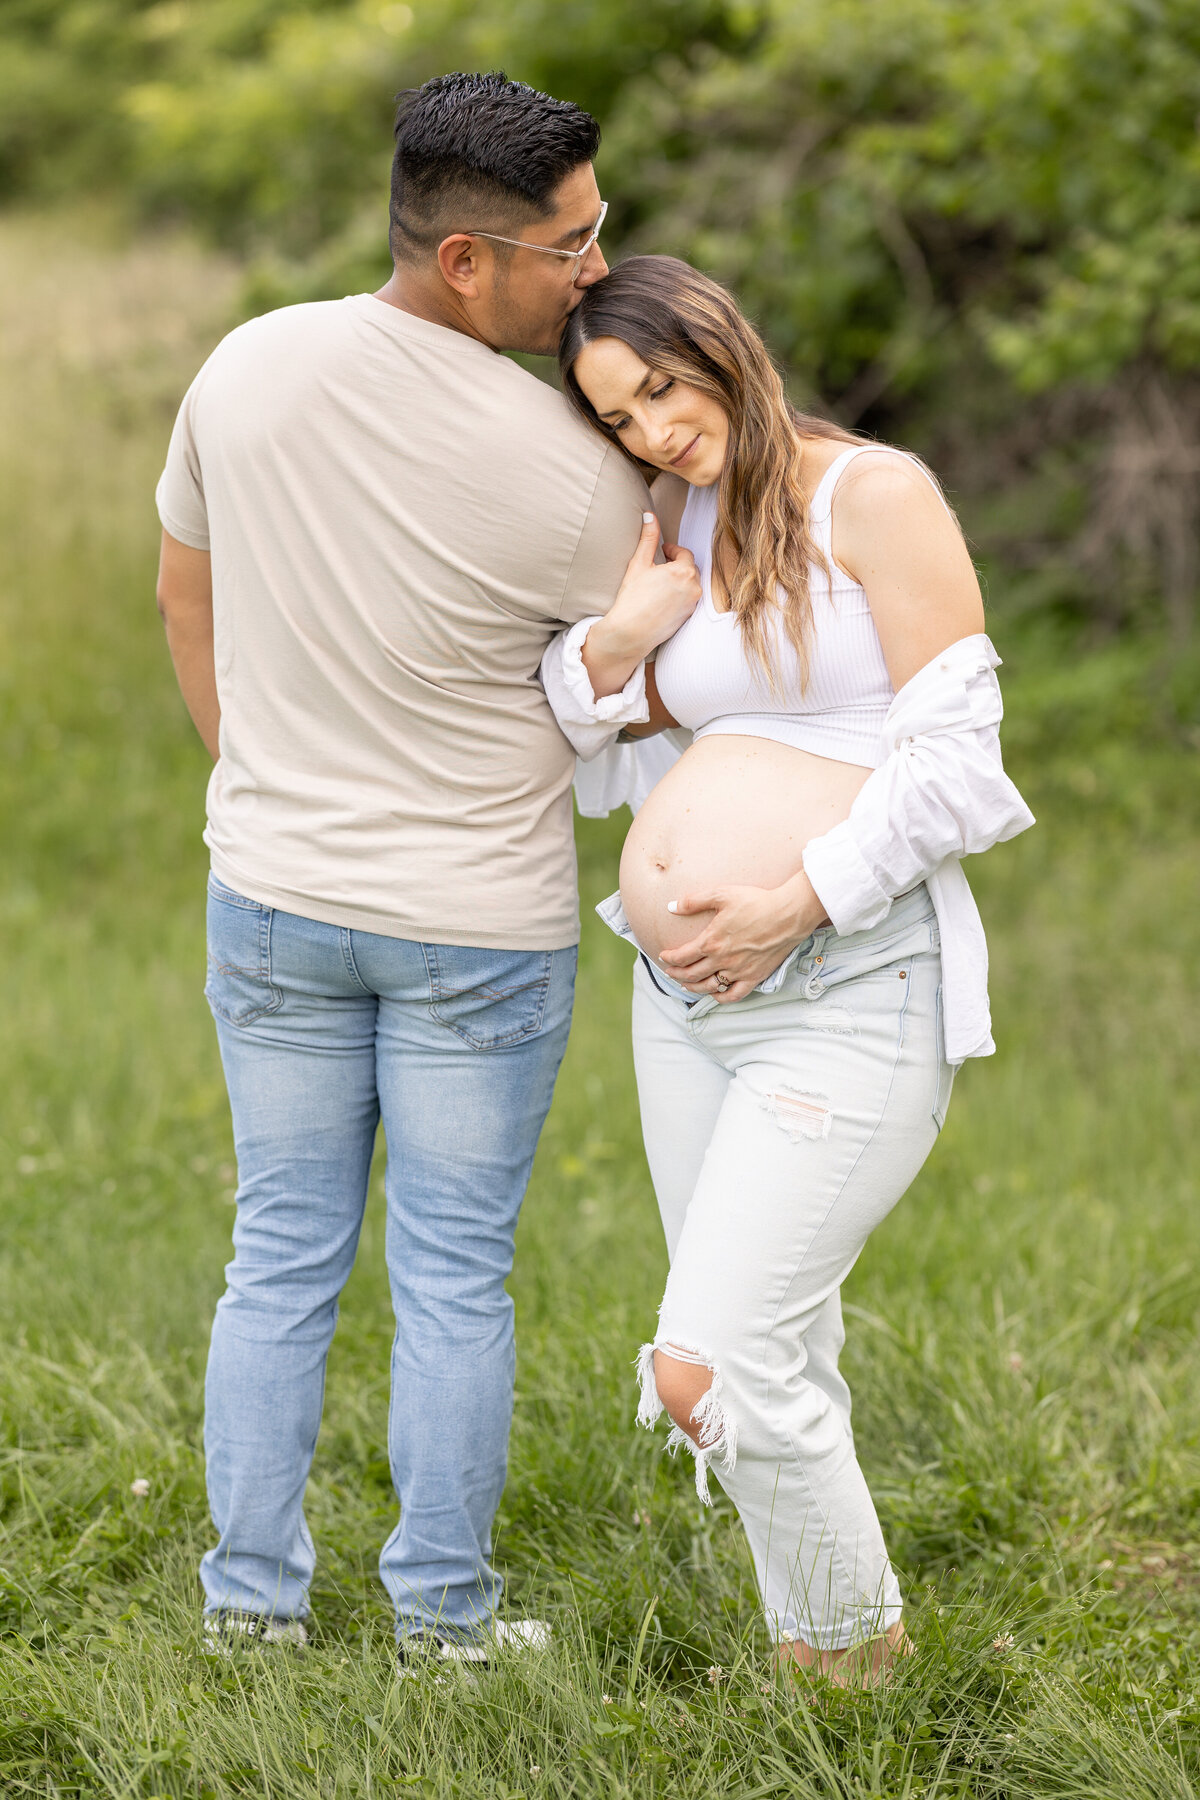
(373, 524)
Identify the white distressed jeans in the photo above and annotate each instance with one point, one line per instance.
(780, 1130)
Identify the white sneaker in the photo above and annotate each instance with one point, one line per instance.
(503, 1634)
(522, 1634)
(225, 1631)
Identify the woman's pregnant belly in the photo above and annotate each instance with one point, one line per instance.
(733, 811)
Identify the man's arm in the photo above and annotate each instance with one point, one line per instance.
(185, 602)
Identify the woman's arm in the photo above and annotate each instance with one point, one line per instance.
(895, 535)
(660, 719)
(941, 791)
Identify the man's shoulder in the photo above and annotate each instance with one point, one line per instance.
(269, 352)
(307, 318)
(549, 412)
(564, 439)
(540, 401)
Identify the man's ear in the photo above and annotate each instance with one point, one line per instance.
(459, 260)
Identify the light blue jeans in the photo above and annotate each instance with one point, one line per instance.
(324, 1031)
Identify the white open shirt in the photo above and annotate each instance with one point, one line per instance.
(938, 793)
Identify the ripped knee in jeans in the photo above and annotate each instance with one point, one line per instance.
(701, 1423)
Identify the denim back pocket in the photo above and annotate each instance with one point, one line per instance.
(489, 998)
(239, 987)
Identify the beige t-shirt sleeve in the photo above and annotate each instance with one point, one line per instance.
(608, 539)
(180, 492)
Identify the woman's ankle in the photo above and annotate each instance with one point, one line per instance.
(858, 1665)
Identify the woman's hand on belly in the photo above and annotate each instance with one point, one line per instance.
(750, 932)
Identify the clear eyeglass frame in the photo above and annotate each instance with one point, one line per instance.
(572, 256)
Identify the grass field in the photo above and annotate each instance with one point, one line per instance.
(1023, 1344)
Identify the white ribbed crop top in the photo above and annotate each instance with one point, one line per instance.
(708, 683)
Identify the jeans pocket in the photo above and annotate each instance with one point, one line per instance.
(239, 987)
(946, 1071)
(491, 999)
(842, 961)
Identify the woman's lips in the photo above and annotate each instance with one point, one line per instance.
(678, 461)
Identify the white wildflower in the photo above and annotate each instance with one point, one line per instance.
(716, 1675)
(1005, 1641)
(140, 1488)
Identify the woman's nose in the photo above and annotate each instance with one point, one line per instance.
(662, 442)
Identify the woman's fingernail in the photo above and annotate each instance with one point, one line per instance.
(672, 906)
(647, 518)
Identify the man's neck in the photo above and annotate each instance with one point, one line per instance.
(408, 293)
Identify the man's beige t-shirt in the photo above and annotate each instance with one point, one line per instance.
(399, 521)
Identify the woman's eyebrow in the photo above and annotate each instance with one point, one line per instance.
(646, 378)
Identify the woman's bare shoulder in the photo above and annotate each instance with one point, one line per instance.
(819, 456)
(878, 472)
(669, 494)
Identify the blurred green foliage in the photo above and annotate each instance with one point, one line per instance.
(1023, 1344)
(972, 227)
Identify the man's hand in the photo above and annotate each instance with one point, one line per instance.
(652, 602)
(185, 602)
(750, 932)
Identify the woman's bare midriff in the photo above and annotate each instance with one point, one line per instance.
(733, 810)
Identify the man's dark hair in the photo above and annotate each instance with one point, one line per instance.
(482, 152)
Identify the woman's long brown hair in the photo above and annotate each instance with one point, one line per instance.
(683, 324)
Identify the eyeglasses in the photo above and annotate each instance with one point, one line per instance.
(572, 256)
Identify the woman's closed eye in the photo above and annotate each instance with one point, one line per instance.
(658, 393)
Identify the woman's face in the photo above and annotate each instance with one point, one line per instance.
(657, 417)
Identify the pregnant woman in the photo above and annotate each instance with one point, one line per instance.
(812, 968)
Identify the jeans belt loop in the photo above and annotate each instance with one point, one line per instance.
(813, 986)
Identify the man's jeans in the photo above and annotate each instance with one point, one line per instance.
(323, 1031)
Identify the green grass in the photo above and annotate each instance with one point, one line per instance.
(1023, 1345)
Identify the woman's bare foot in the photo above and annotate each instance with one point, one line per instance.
(859, 1666)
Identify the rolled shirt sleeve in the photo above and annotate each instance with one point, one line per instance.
(940, 792)
(589, 724)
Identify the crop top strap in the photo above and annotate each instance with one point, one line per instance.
(820, 508)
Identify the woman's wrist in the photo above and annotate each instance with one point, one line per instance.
(610, 653)
(804, 909)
